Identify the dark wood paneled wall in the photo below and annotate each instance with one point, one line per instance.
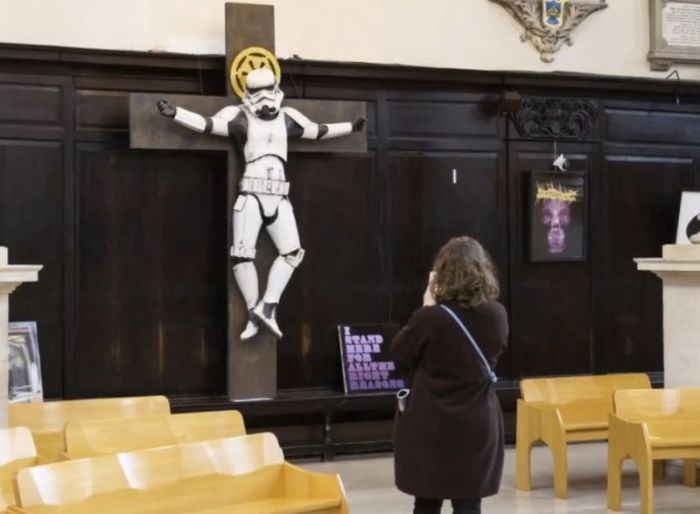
(132, 298)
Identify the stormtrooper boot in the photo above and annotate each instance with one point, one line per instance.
(251, 328)
(247, 279)
(264, 314)
(280, 273)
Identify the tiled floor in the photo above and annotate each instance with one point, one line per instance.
(369, 483)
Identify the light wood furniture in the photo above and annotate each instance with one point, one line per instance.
(104, 437)
(17, 451)
(561, 410)
(651, 426)
(245, 474)
(47, 420)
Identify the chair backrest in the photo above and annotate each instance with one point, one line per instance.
(17, 451)
(54, 415)
(92, 438)
(560, 390)
(46, 420)
(76, 480)
(657, 403)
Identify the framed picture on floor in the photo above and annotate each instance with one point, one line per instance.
(556, 216)
(689, 218)
(24, 384)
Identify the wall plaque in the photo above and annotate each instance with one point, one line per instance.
(675, 32)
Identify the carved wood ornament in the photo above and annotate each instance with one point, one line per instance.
(553, 118)
(549, 23)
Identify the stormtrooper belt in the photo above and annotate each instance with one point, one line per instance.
(263, 186)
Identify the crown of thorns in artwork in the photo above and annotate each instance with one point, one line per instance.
(557, 192)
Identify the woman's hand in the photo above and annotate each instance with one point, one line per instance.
(428, 299)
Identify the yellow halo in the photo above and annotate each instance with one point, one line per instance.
(250, 59)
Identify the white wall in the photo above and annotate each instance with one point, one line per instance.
(468, 34)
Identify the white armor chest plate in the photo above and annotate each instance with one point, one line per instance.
(265, 138)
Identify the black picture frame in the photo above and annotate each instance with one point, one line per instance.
(556, 216)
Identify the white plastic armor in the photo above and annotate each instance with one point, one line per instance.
(311, 129)
(265, 138)
(262, 91)
(264, 188)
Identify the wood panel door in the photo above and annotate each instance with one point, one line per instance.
(550, 301)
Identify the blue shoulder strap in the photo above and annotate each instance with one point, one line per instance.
(449, 311)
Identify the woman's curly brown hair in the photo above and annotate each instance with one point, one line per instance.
(464, 272)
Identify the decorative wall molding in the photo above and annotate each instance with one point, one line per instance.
(555, 118)
(549, 23)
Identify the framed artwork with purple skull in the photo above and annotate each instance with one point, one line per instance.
(556, 216)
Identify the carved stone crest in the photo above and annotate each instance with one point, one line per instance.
(549, 23)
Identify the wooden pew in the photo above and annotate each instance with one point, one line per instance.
(557, 411)
(46, 420)
(17, 451)
(651, 426)
(104, 437)
(245, 474)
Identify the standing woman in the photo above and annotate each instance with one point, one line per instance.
(448, 441)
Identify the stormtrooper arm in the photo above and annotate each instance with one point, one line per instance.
(312, 130)
(217, 124)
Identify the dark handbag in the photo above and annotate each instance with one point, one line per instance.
(402, 394)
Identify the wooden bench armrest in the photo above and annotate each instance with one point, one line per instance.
(629, 437)
(542, 420)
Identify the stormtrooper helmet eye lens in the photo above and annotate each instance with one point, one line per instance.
(253, 90)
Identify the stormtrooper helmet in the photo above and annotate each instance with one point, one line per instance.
(693, 230)
(263, 97)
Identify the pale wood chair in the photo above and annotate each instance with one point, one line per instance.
(17, 451)
(47, 420)
(245, 474)
(650, 426)
(561, 410)
(103, 437)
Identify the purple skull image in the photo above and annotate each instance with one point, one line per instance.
(555, 213)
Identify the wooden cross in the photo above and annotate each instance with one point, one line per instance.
(252, 365)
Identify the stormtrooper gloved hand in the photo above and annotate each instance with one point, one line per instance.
(359, 125)
(165, 108)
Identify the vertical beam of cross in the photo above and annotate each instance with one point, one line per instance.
(252, 365)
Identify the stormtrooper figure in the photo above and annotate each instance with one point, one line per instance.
(260, 128)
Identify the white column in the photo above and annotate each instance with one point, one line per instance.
(681, 304)
(10, 278)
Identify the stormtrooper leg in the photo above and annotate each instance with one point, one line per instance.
(247, 221)
(285, 236)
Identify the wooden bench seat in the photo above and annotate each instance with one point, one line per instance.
(650, 426)
(17, 451)
(47, 420)
(558, 411)
(103, 437)
(245, 474)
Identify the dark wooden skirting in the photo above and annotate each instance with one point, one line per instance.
(132, 297)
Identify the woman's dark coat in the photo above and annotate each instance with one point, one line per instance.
(448, 443)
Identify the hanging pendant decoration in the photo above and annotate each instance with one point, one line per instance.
(549, 23)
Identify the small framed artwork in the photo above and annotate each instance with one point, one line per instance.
(24, 365)
(556, 216)
(689, 219)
